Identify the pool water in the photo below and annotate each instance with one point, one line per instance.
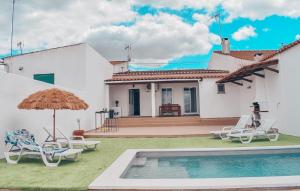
(221, 166)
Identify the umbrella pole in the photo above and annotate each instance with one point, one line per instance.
(54, 139)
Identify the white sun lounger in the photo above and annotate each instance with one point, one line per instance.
(264, 131)
(23, 145)
(242, 123)
(73, 141)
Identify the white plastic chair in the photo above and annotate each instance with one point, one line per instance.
(242, 124)
(264, 131)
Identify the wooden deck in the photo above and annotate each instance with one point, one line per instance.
(164, 127)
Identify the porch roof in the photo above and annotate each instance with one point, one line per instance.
(249, 70)
(248, 54)
(167, 75)
(283, 49)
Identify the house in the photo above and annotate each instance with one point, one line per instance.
(231, 60)
(273, 79)
(120, 66)
(195, 91)
(232, 82)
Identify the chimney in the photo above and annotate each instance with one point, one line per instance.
(258, 56)
(225, 46)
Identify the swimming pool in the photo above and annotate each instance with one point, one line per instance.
(209, 168)
(219, 166)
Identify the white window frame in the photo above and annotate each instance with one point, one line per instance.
(166, 88)
(197, 101)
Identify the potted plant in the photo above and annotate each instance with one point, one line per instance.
(78, 132)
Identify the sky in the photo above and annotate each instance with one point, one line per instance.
(163, 34)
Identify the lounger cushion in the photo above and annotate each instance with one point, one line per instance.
(69, 152)
(87, 143)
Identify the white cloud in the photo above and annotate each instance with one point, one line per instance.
(161, 36)
(253, 9)
(260, 9)
(244, 33)
(203, 18)
(180, 4)
(298, 37)
(44, 24)
(49, 23)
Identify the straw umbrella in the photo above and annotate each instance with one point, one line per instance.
(54, 99)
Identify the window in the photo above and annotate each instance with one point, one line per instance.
(221, 88)
(48, 78)
(166, 95)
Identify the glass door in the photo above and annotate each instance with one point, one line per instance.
(190, 100)
(134, 102)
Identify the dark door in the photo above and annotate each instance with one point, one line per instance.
(134, 102)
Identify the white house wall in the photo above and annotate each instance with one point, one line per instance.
(121, 93)
(247, 96)
(15, 88)
(290, 92)
(264, 90)
(273, 94)
(226, 62)
(123, 67)
(214, 105)
(90, 70)
(67, 63)
(98, 69)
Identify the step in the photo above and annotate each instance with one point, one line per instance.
(174, 121)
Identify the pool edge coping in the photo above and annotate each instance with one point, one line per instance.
(110, 178)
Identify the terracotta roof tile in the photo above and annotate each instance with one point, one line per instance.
(284, 48)
(246, 69)
(115, 62)
(168, 75)
(248, 54)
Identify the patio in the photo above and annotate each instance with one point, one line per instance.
(182, 131)
(33, 175)
(164, 127)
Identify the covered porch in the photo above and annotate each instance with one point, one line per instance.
(158, 93)
(159, 98)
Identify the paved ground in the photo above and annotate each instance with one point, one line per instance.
(155, 131)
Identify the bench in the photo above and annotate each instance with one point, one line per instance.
(169, 108)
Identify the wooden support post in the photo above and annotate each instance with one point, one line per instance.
(247, 80)
(237, 83)
(272, 69)
(259, 75)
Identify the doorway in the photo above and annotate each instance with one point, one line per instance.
(190, 100)
(134, 102)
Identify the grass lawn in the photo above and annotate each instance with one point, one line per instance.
(31, 174)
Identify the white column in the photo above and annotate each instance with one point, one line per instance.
(199, 100)
(106, 96)
(153, 99)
